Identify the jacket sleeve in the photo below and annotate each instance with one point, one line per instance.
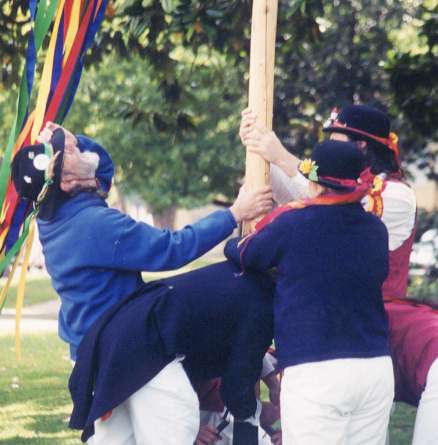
(286, 188)
(261, 251)
(132, 245)
(251, 340)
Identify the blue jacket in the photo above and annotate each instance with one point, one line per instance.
(220, 320)
(94, 256)
(331, 262)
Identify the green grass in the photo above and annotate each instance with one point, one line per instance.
(35, 403)
(402, 424)
(34, 400)
(38, 290)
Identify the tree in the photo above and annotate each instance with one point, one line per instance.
(178, 54)
(415, 64)
(14, 25)
(178, 152)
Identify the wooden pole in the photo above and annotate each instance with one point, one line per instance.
(261, 85)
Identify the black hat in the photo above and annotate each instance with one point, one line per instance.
(37, 175)
(366, 123)
(334, 164)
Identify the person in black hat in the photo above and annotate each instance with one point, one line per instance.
(95, 255)
(390, 197)
(331, 333)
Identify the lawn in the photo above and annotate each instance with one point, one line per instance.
(34, 401)
(38, 290)
(35, 404)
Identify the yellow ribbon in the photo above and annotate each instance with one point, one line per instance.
(7, 285)
(45, 83)
(21, 289)
(72, 30)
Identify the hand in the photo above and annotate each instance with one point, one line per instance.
(207, 435)
(266, 144)
(47, 132)
(270, 415)
(258, 139)
(276, 438)
(252, 204)
(274, 386)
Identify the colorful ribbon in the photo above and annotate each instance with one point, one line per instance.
(75, 24)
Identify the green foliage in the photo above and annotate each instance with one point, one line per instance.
(424, 288)
(328, 53)
(173, 146)
(339, 63)
(414, 82)
(169, 79)
(14, 25)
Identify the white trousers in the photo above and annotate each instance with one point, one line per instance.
(337, 402)
(426, 421)
(165, 411)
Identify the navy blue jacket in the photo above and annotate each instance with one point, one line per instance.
(220, 320)
(331, 262)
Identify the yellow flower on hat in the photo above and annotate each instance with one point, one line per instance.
(306, 166)
(309, 168)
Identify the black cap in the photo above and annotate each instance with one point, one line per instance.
(363, 122)
(334, 164)
(30, 173)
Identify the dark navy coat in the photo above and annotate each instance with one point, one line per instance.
(331, 262)
(220, 320)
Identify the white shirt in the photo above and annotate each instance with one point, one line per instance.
(399, 203)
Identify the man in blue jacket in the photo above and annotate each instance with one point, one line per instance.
(95, 256)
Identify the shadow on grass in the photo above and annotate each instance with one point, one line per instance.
(48, 423)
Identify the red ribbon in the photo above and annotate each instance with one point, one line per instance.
(391, 142)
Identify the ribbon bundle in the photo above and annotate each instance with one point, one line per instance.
(75, 23)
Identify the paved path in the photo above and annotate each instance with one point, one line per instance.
(42, 317)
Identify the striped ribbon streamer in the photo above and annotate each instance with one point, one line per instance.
(54, 98)
(75, 24)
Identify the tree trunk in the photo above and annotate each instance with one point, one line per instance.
(165, 219)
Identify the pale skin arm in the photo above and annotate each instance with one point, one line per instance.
(265, 143)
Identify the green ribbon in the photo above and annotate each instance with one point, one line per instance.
(44, 17)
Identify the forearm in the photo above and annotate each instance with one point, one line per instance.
(286, 188)
(287, 162)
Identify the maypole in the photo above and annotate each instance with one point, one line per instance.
(261, 85)
(75, 23)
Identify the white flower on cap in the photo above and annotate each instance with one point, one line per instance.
(41, 162)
